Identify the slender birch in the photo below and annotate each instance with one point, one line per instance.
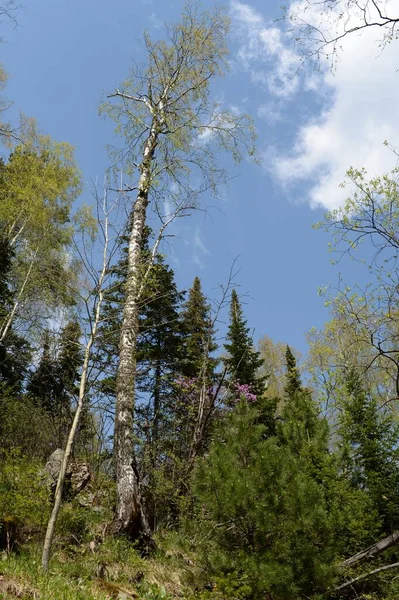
(174, 135)
(5, 326)
(97, 291)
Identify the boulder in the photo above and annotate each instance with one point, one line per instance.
(52, 470)
(76, 478)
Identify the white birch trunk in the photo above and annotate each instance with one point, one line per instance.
(130, 517)
(4, 328)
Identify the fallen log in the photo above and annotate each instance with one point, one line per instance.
(372, 551)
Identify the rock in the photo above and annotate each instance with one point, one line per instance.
(76, 478)
(52, 470)
(87, 499)
(80, 477)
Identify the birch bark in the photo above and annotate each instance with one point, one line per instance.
(130, 516)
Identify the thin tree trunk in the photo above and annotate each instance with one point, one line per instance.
(71, 438)
(364, 575)
(48, 540)
(372, 551)
(7, 324)
(130, 517)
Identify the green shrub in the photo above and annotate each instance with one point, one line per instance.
(23, 494)
(73, 523)
(25, 427)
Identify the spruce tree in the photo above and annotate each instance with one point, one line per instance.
(278, 509)
(158, 362)
(198, 334)
(159, 329)
(300, 426)
(43, 384)
(69, 358)
(243, 362)
(158, 351)
(271, 533)
(68, 366)
(193, 408)
(53, 385)
(293, 383)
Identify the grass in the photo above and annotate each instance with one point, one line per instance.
(82, 568)
(113, 570)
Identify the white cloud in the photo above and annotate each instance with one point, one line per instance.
(263, 51)
(360, 110)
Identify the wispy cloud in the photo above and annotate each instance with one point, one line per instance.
(199, 249)
(263, 51)
(155, 21)
(271, 112)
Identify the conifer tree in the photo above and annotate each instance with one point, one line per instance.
(68, 366)
(6, 256)
(158, 363)
(302, 428)
(192, 410)
(53, 383)
(158, 343)
(198, 334)
(293, 383)
(158, 349)
(69, 359)
(43, 384)
(272, 535)
(370, 450)
(243, 362)
(277, 506)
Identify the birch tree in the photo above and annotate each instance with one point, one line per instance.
(93, 303)
(38, 185)
(174, 134)
(8, 11)
(365, 325)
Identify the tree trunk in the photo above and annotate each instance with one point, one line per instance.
(48, 540)
(372, 551)
(130, 517)
(364, 575)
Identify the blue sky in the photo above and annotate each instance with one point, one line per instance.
(66, 55)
